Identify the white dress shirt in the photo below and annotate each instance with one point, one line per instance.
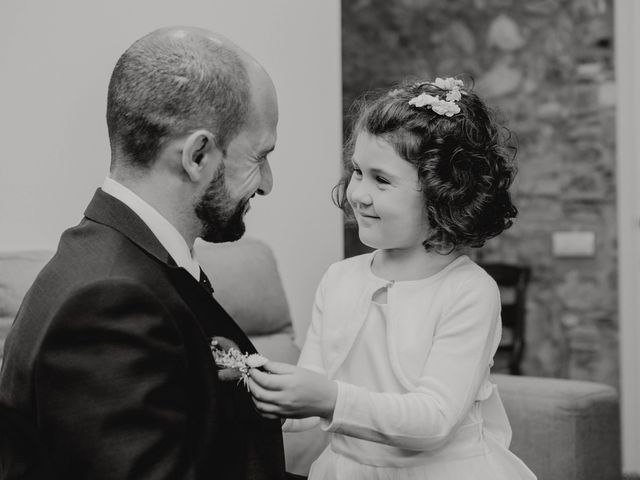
(164, 231)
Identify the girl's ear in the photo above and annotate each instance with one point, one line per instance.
(200, 155)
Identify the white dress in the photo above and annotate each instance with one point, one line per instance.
(411, 360)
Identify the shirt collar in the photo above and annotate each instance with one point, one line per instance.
(164, 231)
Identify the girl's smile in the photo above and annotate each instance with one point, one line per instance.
(367, 216)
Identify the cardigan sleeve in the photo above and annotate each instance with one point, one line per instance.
(111, 388)
(457, 364)
(311, 354)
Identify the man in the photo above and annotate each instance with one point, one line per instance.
(109, 355)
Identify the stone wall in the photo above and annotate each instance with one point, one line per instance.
(548, 67)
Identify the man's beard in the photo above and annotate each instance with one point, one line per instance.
(222, 221)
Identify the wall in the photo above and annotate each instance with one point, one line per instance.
(56, 61)
(548, 66)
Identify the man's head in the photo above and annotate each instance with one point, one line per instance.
(171, 82)
(192, 116)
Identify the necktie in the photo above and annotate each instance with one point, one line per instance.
(205, 283)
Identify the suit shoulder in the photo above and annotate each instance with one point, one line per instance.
(92, 251)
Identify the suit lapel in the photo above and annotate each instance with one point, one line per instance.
(214, 320)
(110, 211)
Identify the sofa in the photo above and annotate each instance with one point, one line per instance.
(562, 429)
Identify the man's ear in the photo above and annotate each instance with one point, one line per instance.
(200, 154)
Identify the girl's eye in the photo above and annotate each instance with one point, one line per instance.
(357, 171)
(382, 180)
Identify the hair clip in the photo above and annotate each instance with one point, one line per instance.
(447, 106)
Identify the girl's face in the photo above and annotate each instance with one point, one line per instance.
(385, 197)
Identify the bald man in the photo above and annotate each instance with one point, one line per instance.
(109, 356)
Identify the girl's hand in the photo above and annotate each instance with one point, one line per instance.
(288, 391)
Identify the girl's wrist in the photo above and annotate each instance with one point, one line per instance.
(330, 403)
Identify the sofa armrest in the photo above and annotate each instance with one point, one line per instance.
(563, 429)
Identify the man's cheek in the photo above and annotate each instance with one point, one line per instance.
(251, 179)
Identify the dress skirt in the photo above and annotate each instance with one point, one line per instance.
(488, 457)
(497, 463)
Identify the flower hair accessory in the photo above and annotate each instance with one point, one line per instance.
(447, 106)
(234, 359)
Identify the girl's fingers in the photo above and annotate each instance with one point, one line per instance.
(267, 410)
(267, 381)
(260, 378)
(269, 416)
(259, 393)
(262, 400)
(266, 407)
(279, 368)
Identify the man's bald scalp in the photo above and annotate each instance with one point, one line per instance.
(169, 83)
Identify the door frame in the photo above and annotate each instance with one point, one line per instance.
(627, 61)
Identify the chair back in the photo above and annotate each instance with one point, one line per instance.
(513, 281)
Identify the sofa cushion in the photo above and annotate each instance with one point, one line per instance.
(18, 270)
(279, 346)
(247, 284)
(563, 429)
(245, 269)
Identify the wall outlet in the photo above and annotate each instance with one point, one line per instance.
(574, 244)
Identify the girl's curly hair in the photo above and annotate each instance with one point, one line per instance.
(465, 167)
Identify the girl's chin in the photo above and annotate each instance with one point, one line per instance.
(370, 242)
(386, 244)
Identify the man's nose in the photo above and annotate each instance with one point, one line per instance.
(266, 179)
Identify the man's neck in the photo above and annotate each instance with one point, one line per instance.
(166, 201)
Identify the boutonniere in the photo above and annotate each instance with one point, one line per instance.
(234, 359)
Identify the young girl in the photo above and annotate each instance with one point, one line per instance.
(397, 357)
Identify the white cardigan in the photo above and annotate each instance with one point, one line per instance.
(442, 334)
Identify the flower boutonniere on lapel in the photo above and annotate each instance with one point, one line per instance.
(234, 364)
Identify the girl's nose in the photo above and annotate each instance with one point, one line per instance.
(359, 194)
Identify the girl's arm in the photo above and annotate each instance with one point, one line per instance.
(423, 419)
(310, 359)
(300, 424)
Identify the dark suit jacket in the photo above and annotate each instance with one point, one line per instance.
(109, 358)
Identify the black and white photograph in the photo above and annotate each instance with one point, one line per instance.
(320, 239)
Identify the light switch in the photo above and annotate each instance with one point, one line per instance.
(578, 244)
